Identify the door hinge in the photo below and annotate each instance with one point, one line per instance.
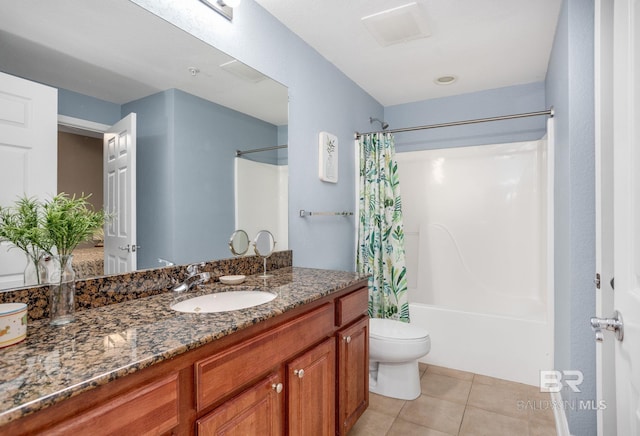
(597, 281)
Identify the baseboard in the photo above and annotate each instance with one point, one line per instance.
(562, 425)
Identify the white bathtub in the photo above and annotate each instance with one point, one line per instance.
(498, 346)
(478, 237)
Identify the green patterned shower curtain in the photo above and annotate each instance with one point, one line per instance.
(380, 232)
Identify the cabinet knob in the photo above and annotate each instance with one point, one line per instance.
(299, 372)
(277, 387)
(347, 339)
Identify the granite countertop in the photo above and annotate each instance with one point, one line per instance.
(102, 344)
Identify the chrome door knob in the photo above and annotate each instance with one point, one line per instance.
(277, 387)
(614, 324)
(347, 339)
(129, 248)
(298, 372)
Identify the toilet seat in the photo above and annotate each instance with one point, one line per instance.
(392, 330)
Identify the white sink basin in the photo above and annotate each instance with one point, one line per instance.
(223, 301)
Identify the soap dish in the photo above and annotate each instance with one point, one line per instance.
(232, 280)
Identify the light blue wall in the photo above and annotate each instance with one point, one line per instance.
(283, 138)
(206, 137)
(186, 148)
(570, 89)
(484, 104)
(155, 177)
(84, 107)
(321, 98)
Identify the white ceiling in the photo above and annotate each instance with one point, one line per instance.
(485, 43)
(118, 52)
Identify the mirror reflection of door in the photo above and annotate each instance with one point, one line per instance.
(120, 235)
(27, 148)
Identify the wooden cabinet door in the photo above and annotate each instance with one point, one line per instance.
(353, 373)
(311, 391)
(256, 411)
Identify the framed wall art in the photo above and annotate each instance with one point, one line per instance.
(328, 157)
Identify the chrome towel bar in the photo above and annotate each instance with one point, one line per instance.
(306, 213)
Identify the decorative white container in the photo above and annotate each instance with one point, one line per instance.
(13, 323)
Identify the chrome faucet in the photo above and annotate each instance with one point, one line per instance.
(195, 278)
(165, 262)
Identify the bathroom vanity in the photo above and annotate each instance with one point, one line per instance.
(296, 365)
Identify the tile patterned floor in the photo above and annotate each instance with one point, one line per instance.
(462, 404)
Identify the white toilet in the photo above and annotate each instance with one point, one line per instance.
(394, 350)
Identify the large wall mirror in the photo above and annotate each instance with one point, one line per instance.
(195, 107)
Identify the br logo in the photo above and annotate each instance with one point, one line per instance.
(552, 381)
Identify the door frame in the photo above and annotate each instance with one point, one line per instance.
(80, 126)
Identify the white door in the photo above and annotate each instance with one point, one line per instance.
(28, 155)
(605, 363)
(626, 207)
(120, 249)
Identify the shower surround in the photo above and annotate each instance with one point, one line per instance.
(478, 226)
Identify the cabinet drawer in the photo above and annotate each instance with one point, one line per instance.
(152, 409)
(352, 306)
(225, 372)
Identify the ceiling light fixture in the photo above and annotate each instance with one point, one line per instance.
(445, 80)
(223, 7)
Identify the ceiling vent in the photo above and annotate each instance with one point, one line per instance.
(243, 71)
(397, 25)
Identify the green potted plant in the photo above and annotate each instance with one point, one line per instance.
(21, 225)
(66, 222)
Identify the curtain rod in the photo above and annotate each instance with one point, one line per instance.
(548, 112)
(256, 150)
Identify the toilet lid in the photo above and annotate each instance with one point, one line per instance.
(391, 329)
